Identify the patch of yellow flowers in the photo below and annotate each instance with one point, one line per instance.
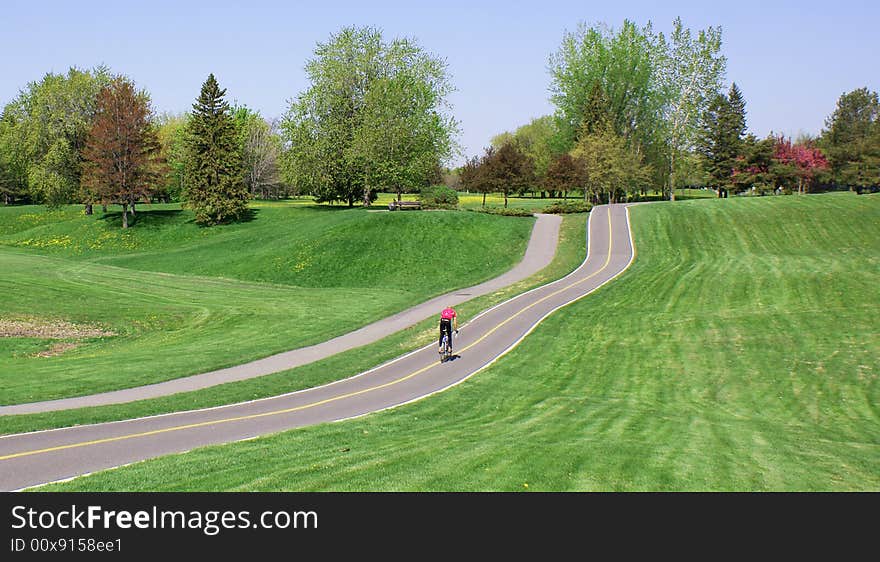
(56, 242)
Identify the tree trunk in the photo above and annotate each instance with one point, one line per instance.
(484, 198)
(88, 208)
(125, 215)
(366, 196)
(104, 207)
(505, 199)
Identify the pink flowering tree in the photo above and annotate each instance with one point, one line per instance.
(802, 161)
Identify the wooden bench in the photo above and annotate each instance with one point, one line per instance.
(398, 205)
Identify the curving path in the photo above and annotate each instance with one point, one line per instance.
(539, 254)
(40, 457)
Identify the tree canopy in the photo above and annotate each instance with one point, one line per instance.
(215, 188)
(375, 117)
(43, 133)
(852, 139)
(651, 88)
(122, 149)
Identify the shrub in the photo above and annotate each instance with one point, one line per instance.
(509, 212)
(438, 197)
(573, 207)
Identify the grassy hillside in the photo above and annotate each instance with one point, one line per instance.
(739, 352)
(176, 299)
(306, 246)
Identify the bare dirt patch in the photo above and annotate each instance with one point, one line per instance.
(49, 329)
(56, 349)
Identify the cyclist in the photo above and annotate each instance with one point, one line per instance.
(448, 322)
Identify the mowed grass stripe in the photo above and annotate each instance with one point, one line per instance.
(747, 377)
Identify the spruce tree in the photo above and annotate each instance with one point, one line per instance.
(721, 138)
(215, 186)
(597, 113)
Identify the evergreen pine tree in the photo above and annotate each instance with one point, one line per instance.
(721, 138)
(736, 121)
(597, 113)
(215, 186)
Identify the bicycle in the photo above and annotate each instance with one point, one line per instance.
(445, 348)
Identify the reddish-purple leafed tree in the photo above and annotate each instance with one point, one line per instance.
(805, 159)
(122, 149)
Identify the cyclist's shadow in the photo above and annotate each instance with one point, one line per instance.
(452, 357)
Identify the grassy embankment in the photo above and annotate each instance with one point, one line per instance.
(180, 299)
(739, 352)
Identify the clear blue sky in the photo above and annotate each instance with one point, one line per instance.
(792, 60)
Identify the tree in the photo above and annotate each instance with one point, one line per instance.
(565, 174)
(597, 115)
(655, 89)
(13, 158)
(172, 131)
(798, 163)
(52, 120)
(602, 155)
(609, 166)
(373, 117)
(507, 170)
(402, 138)
(261, 147)
(753, 168)
(472, 177)
(538, 139)
(720, 141)
(690, 71)
(852, 141)
(621, 64)
(122, 148)
(215, 188)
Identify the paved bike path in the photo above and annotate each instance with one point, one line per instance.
(539, 253)
(34, 458)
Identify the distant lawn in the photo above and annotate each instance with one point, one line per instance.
(535, 203)
(740, 351)
(180, 299)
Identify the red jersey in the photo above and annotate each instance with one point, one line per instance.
(448, 313)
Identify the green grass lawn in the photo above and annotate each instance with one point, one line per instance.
(739, 352)
(181, 299)
(570, 253)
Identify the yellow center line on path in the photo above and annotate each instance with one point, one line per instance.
(312, 404)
